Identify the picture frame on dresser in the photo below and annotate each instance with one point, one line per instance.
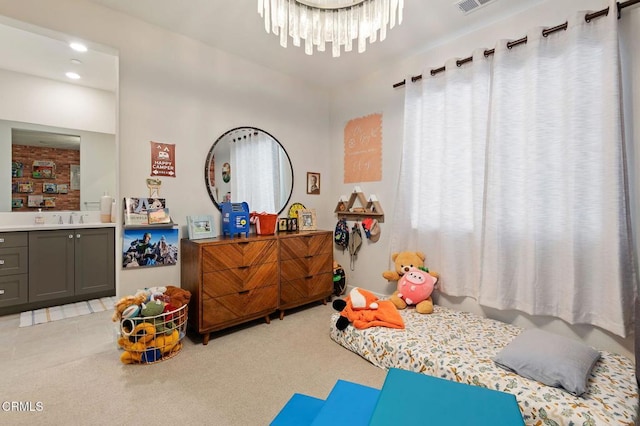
(200, 227)
(307, 220)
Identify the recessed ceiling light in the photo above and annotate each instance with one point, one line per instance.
(73, 75)
(79, 47)
(76, 61)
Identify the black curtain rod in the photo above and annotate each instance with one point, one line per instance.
(545, 33)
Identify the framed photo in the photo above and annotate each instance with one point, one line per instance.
(313, 183)
(292, 224)
(143, 248)
(282, 224)
(307, 220)
(200, 227)
(63, 188)
(49, 188)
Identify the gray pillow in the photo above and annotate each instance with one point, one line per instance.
(549, 358)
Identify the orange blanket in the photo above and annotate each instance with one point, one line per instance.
(370, 312)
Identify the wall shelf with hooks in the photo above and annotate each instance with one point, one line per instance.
(366, 208)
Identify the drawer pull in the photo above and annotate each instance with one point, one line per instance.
(244, 292)
(1, 240)
(242, 267)
(1, 291)
(308, 277)
(1, 261)
(308, 256)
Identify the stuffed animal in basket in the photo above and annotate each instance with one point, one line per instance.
(136, 344)
(363, 309)
(145, 345)
(128, 306)
(404, 262)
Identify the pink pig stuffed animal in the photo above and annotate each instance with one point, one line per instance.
(415, 288)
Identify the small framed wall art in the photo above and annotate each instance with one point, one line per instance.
(307, 220)
(200, 227)
(313, 183)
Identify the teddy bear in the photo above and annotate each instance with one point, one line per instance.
(404, 262)
(129, 304)
(178, 297)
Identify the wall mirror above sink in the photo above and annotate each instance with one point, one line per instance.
(249, 164)
(57, 120)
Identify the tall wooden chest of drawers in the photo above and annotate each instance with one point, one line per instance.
(236, 280)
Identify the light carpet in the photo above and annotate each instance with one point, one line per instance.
(70, 310)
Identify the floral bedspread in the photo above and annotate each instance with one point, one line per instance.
(460, 346)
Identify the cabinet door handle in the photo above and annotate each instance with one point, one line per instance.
(1, 240)
(1, 291)
(77, 235)
(70, 236)
(1, 261)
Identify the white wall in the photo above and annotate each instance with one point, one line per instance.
(175, 90)
(375, 94)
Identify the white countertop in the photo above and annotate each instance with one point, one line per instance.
(54, 226)
(26, 221)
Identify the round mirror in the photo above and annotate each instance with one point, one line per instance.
(248, 164)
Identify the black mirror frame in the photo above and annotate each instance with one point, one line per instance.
(210, 158)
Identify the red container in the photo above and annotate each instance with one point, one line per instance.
(265, 223)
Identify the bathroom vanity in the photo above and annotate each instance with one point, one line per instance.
(49, 265)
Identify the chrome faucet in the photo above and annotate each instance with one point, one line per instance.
(59, 218)
(71, 218)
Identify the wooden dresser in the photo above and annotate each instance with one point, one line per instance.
(233, 281)
(306, 269)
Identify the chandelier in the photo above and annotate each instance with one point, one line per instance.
(339, 22)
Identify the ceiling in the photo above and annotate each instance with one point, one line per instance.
(236, 27)
(43, 53)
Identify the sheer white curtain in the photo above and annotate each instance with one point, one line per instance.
(529, 210)
(257, 159)
(441, 185)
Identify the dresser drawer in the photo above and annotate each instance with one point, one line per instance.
(306, 245)
(307, 266)
(14, 260)
(233, 307)
(13, 290)
(236, 280)
(239, 254)
(298, 290)
(13, 239)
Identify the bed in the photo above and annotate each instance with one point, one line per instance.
(460, 346)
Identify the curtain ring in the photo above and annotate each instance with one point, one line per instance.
(458, 64)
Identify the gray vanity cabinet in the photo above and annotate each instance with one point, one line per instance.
(14, 259)
(71, 262)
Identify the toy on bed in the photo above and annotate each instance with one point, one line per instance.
(415, 289)
(363, 309)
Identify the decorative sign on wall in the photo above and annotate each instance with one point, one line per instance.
(363, 149)
(163, 159)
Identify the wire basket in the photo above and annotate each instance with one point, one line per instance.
(147, 340)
